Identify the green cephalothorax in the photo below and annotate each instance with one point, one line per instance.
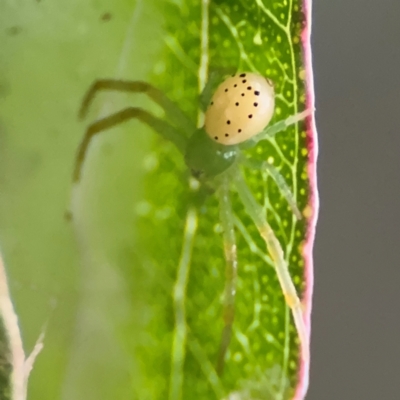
(206, 158)
(235, 119)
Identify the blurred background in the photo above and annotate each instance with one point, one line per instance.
(356, 311)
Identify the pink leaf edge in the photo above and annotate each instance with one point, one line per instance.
(312, 145)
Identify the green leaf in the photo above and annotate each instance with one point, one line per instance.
(111, 316)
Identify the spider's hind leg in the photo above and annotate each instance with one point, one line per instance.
(280, 126)
(227, 222)
(215, 77)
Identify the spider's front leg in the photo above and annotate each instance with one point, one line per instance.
(160, 126)
(227, 222)
(279, 180)
(173, 112)
(256, 213)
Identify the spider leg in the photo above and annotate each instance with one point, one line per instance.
(174, 113)
(214, 77)
(179, 297)
(279, 180)
(275, 250)
(160, 126)
(279, 126)
(227, 221)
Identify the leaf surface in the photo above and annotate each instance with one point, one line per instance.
(111, 334)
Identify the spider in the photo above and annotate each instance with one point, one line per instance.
(236, 117)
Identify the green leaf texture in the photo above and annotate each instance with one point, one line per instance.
(103, 283)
